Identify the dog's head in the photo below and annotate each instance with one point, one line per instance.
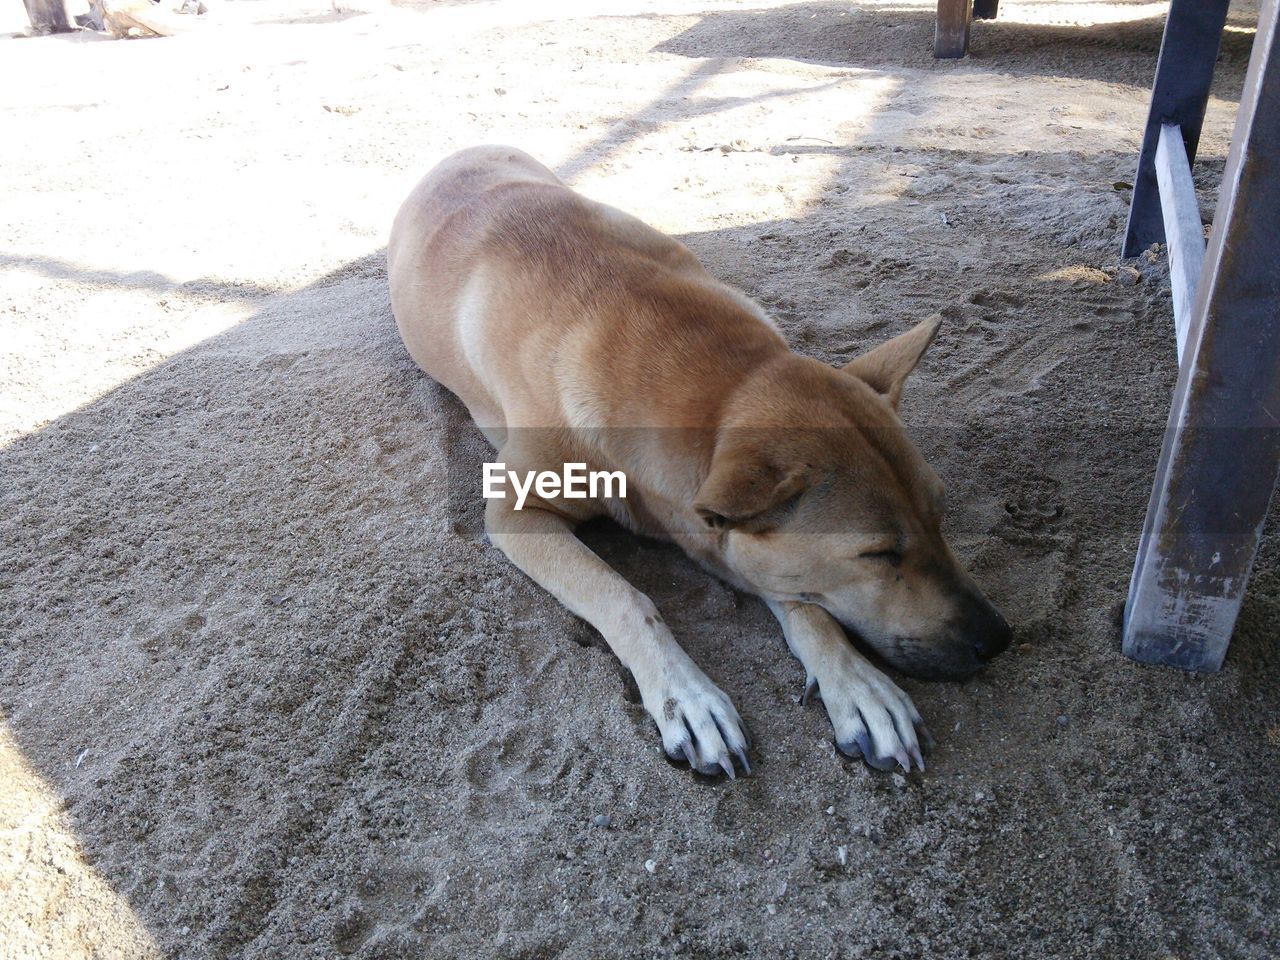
(819, 496)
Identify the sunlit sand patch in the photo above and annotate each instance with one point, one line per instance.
(49, 369)
(53, 904)
(783, 160)
(1076, 274)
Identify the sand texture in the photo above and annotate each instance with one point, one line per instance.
(266, 693)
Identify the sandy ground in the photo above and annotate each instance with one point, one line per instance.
(265, 691)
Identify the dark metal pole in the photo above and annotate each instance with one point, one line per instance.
(1184, 72)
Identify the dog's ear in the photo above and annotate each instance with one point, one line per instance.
(886, 368)
(745, 483)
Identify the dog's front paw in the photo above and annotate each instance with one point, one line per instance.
(871, 717)
(697, 721)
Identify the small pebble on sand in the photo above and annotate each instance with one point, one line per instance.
(830, 811)
(842, 855)
(1063, 720)
(602, 820)
(651, 866)
(1128, 276)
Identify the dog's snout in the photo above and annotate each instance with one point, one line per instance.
(988, 630)
(978, 633)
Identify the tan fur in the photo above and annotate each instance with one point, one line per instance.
(574, 332)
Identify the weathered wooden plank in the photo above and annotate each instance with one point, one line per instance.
(1192, 35)
(1182, 227)
(951, 36)
(985, 9)
(1221, 455)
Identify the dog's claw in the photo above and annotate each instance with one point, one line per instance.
(861, 747)
(903, 761)
(868, 748)
(687, 747)
(926, 738)
(727, 766)
(810, 686)
(742, 759)
(915, 755)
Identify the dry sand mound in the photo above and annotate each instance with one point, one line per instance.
(265, 692)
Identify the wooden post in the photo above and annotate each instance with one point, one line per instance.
(985, 9)
(951, 36)
(1192, 35)
(1221, 455)
(47, 16)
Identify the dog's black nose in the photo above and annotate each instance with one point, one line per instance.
(990, 631)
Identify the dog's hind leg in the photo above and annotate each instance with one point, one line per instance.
(697, 721)
(872, 718)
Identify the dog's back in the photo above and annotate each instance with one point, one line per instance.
(434, 257)
(493, 260)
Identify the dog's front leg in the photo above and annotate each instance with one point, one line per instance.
(871, 717)
(697, 721)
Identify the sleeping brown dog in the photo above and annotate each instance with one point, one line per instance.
(575, 333)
